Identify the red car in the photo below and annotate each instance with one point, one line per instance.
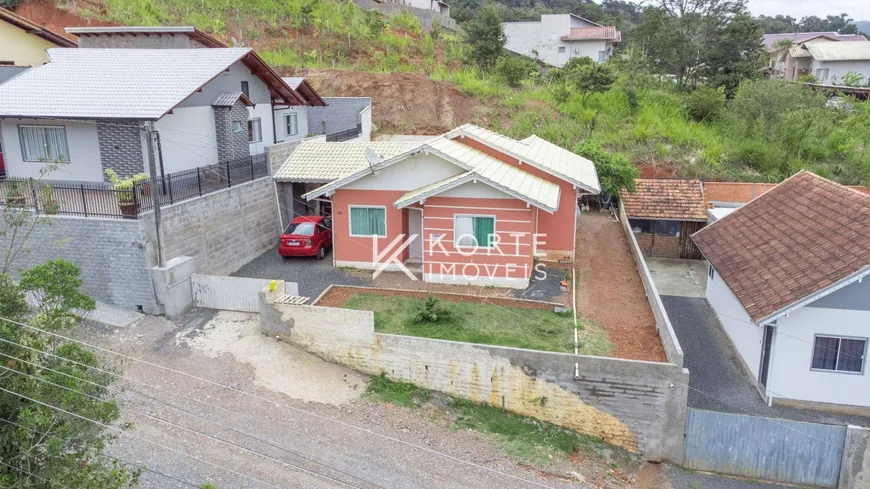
(306, 236)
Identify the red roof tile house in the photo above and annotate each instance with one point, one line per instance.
(663, 213)
(789, 281)
(469, 207)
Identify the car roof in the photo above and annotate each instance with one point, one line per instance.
(301, 219)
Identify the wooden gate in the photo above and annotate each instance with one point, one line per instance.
(688, 249)
(806, 454)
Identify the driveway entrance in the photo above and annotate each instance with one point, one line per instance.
(678, 277)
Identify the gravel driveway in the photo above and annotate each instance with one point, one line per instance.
(717, 380)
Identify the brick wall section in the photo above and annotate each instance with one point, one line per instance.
(129, 41)
(121, 147)
(110, 253)
(231, 145)
(640, 406)
(425, 16)
(658, 245)
(221, 231)
(341, 114)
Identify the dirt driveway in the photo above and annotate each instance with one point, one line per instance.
(293, 420)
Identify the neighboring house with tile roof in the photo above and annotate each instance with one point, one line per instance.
(663, 213)
(24, 44)
(828, 61)
(789, 279)
(779, 47)
(86, 107)
(338, 118)
(557, 38)
(482, 206)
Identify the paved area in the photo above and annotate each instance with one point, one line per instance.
(718, 381)
(680, 478)
(112, 315)
(675, 276)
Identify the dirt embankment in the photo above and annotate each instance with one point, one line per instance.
(403, 103)
(48, 15)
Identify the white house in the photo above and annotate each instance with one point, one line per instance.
(789, 279)
(777, 51)
(434, 5)
(828, 61)
(557, 38)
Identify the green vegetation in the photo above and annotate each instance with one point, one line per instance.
(402, 393)
(490, 324)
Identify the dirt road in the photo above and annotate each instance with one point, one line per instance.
(277, 436)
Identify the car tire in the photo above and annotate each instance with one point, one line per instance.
(285, 257)
(321, 253)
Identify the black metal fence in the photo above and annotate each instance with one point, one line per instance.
(345, 135)
(104, 200)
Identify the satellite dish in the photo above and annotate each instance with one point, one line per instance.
(372, 158)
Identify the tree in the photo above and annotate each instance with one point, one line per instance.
(48, 444)
(735, 53)
(615, 172)
(515, 69)
(588, 77)
(485, 36)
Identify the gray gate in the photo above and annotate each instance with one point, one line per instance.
(232, 293)
(764, 448)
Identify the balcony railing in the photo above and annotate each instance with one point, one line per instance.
(103, 200)
(345, 135)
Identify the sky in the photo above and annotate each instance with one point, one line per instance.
(857, 9)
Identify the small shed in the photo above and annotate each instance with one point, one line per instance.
(663, 213)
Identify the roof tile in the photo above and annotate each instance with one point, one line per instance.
(666, 199)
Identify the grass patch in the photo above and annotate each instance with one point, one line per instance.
(490, 324)
(402, 393)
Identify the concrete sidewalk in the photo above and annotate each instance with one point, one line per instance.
(678, 277)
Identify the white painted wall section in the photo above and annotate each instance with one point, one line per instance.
(264, 113)
(415, 172)
(744, 334)
(283, 135)
(837, 69)
(476, 190)
(84, 151)
(187, 138)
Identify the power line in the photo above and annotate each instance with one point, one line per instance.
(31, 474)
(146, 469)
(284, 405)
(154, 399)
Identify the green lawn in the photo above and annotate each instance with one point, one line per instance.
(491, 324)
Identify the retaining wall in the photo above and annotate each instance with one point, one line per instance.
(640, 406)
(110, 252)
(663, 322)
(221, 231)
(425, 16)
(855, 468)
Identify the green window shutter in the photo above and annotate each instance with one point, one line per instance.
(368, 221)
(483, 228)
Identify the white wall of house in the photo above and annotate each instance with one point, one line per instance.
(282, 134)
(744, 334)
(791, 376)
(264, 113)
(84, 151)
(366, 122)
(475, 190)
(414, 172)
(187, 138)
(836, 70)
(545, 37)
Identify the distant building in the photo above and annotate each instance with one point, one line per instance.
(828, 61)
(778, 52)
(23, 44)
(557, 38)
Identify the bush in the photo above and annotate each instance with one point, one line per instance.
(432, 310)
(706, 103)
(515, 69)
(615, 172)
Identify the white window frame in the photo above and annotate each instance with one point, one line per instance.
(838, 337)
(295, 124)
(237, 126)
(259, 131)
(350, 218)
(470, 247)
(562, 49)
(43, 126)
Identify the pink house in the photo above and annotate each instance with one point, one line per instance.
(468, 207)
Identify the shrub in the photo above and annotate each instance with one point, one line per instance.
(515, 69)
(706, 103)
(806, 79)
(615, 172)
(432, 310)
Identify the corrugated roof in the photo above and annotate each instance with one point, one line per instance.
(805, 235)
(666, 199)
(539, 153)
(839, 51)
(606, 33)
(113, 83)
(321, 162)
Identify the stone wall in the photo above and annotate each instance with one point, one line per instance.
(663, 322)
(121, 147)
(231, 145)
(341, 114)
(110, 253)
(221, 231)
(427, 17)
(640, 406)
(855, 468)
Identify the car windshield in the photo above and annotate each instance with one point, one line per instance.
(300, 228)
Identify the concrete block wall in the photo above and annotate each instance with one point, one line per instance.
(231, 145)
(640, 406)
(220, 231)
(121, 147)
(139, 41)
(671, 344)
(341, 114)
(110, 253)
(426, 17)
